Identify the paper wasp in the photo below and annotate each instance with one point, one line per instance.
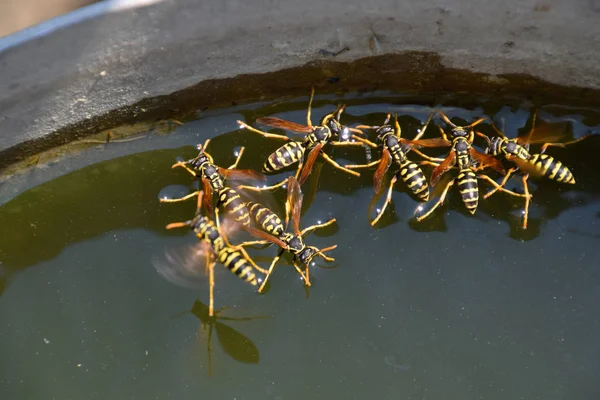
(213, 178)
(274, 231)
(315, 139)
(468, 159)
(538, 164)
(182, 267)
(395, 148)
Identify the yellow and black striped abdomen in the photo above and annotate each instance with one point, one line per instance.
(286, 155)
(415, 179)
(267, 219)
(233, 205)
(469, 191)
(234, 261)
(552, 168)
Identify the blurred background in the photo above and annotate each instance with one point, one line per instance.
(20, 14)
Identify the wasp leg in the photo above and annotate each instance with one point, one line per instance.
(317, 226)
(306, 275)
(324, 257)
(442, 133)
(253, 243)
(260, 189)
(545, 146)
(424, 127)
(249, 259)
(527, 200)
(425, 156)
(268, 273)
(501, 185)
(358, 139)
(433, 164)
(338, 166)
(320, 253)
(184, 165)
(388, 200)
(264, 134)
(357, 143)
(438, 203)
(498, 187)
(237, 160)
(308, 119)
(211, 285)
(184, 198)
(299, 169)
(369, 165)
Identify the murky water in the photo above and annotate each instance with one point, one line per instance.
(455, 307)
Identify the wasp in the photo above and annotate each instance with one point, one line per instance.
(315, 139)
(213, 246)
(395, 148)
(538, 164)
(468, 161)
(213, 180)
(274, 231)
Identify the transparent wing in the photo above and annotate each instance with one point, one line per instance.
(185, 265)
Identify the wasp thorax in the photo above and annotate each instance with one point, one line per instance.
(322, 133)
(210, 169)
(462, 145)
(296, 243)
(511, 147)
(391, 141)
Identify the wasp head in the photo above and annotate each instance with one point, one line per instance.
(459, 131)
(201, 159)
(384, 131)
(307, 255)
(295, 244)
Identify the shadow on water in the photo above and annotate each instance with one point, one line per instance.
(234, 343)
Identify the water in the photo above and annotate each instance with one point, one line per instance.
(455, 307)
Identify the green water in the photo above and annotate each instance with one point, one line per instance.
(455, 307)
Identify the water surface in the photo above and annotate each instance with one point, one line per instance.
(455, 307)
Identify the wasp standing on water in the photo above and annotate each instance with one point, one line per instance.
(316, 138)
(274, 231)
(539, 164)
(213, 178)
(463, 154)
(213, 243)
(395, 148)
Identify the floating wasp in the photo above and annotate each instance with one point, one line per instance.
(213, 180)
(539, 164)
(181, 267)
(395, 149)
(275, 232)
(463, 154)
(316, 137)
